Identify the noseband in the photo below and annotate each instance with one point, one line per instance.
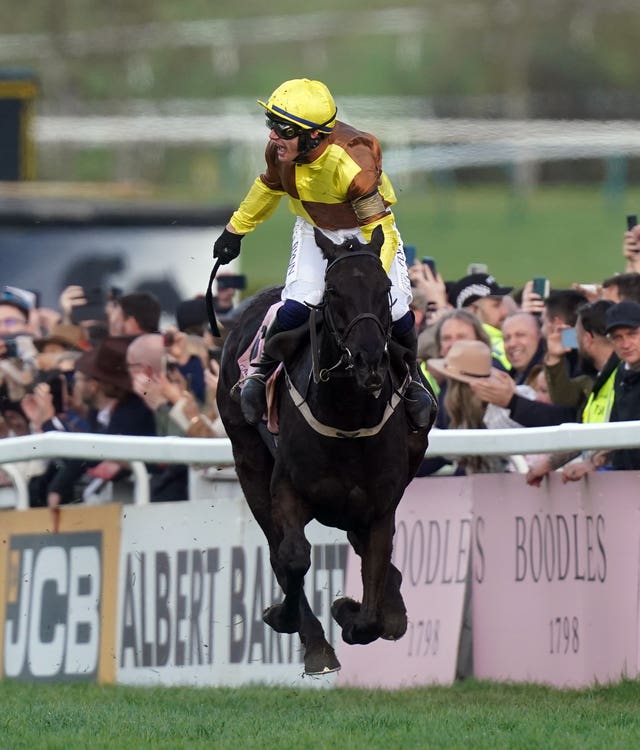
(346, 358)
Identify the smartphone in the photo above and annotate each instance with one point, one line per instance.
(632, 221)
(541, 286)
(232, 281)
(94, 309)
(409, 254)
(569, 338)
(429, 261)
(11, 350)
(474, 268)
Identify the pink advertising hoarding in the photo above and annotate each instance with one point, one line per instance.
(432, 550)
(555, 583)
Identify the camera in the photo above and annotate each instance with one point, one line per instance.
(232, 281)
(12, 349)
(20, 346)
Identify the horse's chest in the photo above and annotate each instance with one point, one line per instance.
(349, 495)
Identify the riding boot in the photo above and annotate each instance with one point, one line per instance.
(420, 403)
(253, 398)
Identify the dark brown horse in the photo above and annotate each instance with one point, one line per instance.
(344, 454)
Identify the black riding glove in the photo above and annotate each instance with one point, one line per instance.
(227, 246)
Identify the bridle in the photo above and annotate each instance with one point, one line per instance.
(344, 363)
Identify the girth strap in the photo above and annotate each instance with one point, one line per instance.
(334, 432)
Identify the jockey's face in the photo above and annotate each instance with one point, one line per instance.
(287, 149)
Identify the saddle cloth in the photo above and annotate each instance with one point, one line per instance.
(247, 360)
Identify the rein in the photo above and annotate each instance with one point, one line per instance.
(344, 361)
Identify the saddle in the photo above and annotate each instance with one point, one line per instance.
(281, 346)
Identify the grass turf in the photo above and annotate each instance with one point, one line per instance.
(468, 715)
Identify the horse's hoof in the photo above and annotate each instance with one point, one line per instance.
(274, 617)
(355, 630)
(394, 627)
(321, 661)
(344, 609)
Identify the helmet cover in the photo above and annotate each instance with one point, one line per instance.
(305, 103)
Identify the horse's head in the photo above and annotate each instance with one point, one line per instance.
(356, 306)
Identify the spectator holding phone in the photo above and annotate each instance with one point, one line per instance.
(103, 383)
(426, 281)
(17, 352)
(227, 286)
(559, 318)
(596, 402)
(534, 294)
(86, 309)
(631, 245)
(623, 331)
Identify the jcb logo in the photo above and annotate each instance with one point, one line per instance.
(52, 616)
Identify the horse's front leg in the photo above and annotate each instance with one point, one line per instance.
(365, 622)
(291, 561)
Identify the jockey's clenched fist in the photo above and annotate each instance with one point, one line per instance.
(227, 247)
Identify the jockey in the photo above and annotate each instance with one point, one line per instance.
(333, 176)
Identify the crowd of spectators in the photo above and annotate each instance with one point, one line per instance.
(100, 363)
(531, 357)
(495, 355)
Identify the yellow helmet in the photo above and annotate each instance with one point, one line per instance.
(307, 104)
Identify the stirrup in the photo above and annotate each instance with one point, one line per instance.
(236, 388)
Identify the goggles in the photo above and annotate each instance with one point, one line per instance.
(284, 130)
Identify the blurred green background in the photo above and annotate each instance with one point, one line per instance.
(433, 61)
(566, 233)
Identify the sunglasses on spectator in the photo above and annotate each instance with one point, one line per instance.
(284, 130)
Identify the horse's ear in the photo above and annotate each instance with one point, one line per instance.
(325, 244)
(377, 239)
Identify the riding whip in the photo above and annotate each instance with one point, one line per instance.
(213, 323)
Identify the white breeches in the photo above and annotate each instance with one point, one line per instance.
(305, 274)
